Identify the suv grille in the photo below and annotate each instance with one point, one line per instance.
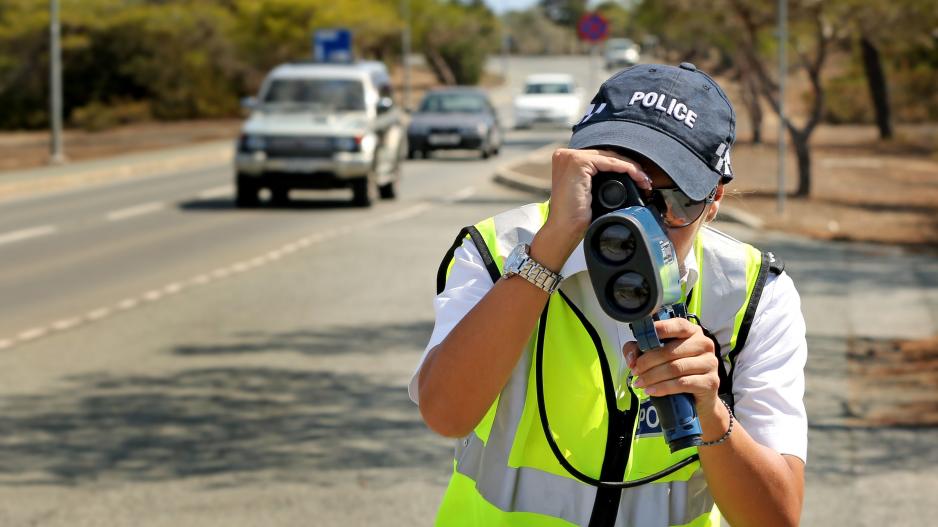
(299, 147)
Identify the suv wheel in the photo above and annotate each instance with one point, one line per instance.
(363, 191)
(279, 195)
(246, 195)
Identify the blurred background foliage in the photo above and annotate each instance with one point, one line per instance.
(132, 60)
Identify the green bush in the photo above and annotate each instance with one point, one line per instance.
(97, 116)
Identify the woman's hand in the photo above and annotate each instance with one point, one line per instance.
(570, 213)
(686, 363)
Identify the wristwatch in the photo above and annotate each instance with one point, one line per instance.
(520, 263)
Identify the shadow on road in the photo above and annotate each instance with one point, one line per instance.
(331, 341)
(243, 422)
(238, 421)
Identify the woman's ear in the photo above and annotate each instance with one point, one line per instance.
(715, 206)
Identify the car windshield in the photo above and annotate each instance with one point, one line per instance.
(619, 44)
(453, 103)
(548, 87)
(327, 95)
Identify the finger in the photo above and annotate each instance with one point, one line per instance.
(698, 385)
(606, 161)
(676, 328)
(670, 351)
(696, 365)
(631, 352)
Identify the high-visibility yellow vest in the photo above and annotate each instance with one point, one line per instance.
(505, 472)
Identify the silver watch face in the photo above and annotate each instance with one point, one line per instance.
(517, 257)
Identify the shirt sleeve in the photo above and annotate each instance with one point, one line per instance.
(768, 379)
(467, 283)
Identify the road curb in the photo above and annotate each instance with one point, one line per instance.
(136, 165)
(506, 175)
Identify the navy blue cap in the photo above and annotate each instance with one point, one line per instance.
(677, 117)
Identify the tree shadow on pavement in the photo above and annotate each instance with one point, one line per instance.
(238, 422)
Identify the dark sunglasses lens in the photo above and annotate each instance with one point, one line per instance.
(678, 210)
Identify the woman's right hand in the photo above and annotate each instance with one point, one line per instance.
(570, 202)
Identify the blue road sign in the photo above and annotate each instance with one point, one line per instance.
(332, 45)
(592, 27)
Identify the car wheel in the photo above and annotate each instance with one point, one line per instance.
(279, 195)
(246, 195)
(364, 191)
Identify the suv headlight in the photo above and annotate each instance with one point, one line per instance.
(252, 143)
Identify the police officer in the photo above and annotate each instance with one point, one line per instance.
(520, 338)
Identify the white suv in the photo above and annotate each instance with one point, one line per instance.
(321, 126)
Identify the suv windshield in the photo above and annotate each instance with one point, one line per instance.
(331, 95)
(453, 103)
(552, 87)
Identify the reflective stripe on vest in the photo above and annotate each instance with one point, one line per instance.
(504, 472)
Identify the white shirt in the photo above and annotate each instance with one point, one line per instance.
(768, 378)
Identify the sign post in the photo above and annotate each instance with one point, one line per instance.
(332, 45)
(592, 28)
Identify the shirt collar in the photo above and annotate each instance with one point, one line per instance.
(576, 263)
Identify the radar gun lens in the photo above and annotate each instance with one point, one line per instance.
(630, 291)
(616, 243)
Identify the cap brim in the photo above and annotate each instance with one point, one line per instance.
(689, 173)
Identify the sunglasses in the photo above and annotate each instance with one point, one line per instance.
(675, 208)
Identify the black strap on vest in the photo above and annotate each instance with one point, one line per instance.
(770, 264)
(484, 253)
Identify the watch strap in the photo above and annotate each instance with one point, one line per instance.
(539, 275)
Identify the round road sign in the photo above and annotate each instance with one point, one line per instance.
(592, 27)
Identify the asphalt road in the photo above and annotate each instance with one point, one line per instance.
(167, 359)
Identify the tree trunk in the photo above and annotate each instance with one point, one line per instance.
(750, 96)
(440, 68)
(803, 155)
(876, 78)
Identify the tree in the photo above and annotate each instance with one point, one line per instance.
(456, 38)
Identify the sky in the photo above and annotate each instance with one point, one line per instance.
(500, 6)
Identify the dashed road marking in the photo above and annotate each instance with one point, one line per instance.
(25, 234)
(172, 288)
(136, 210)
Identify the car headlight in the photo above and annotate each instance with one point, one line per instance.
(481, 128)
(252, 143)
(347, 144)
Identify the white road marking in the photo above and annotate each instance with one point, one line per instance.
(136, 210)
(216, 192)
(127, 303)
(31, 334)
(25, 234)
(405, 213)
(463, 194)
(97, 314)
(67, 323)
(174, 287)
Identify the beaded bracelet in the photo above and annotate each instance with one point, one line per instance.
(728, 430)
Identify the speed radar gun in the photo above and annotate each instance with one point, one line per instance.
(634, 271)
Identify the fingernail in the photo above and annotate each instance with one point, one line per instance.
(651, 391)
(638, 383)
(646, 181)
(630, 358)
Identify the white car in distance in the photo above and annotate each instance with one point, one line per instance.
(549, 98)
